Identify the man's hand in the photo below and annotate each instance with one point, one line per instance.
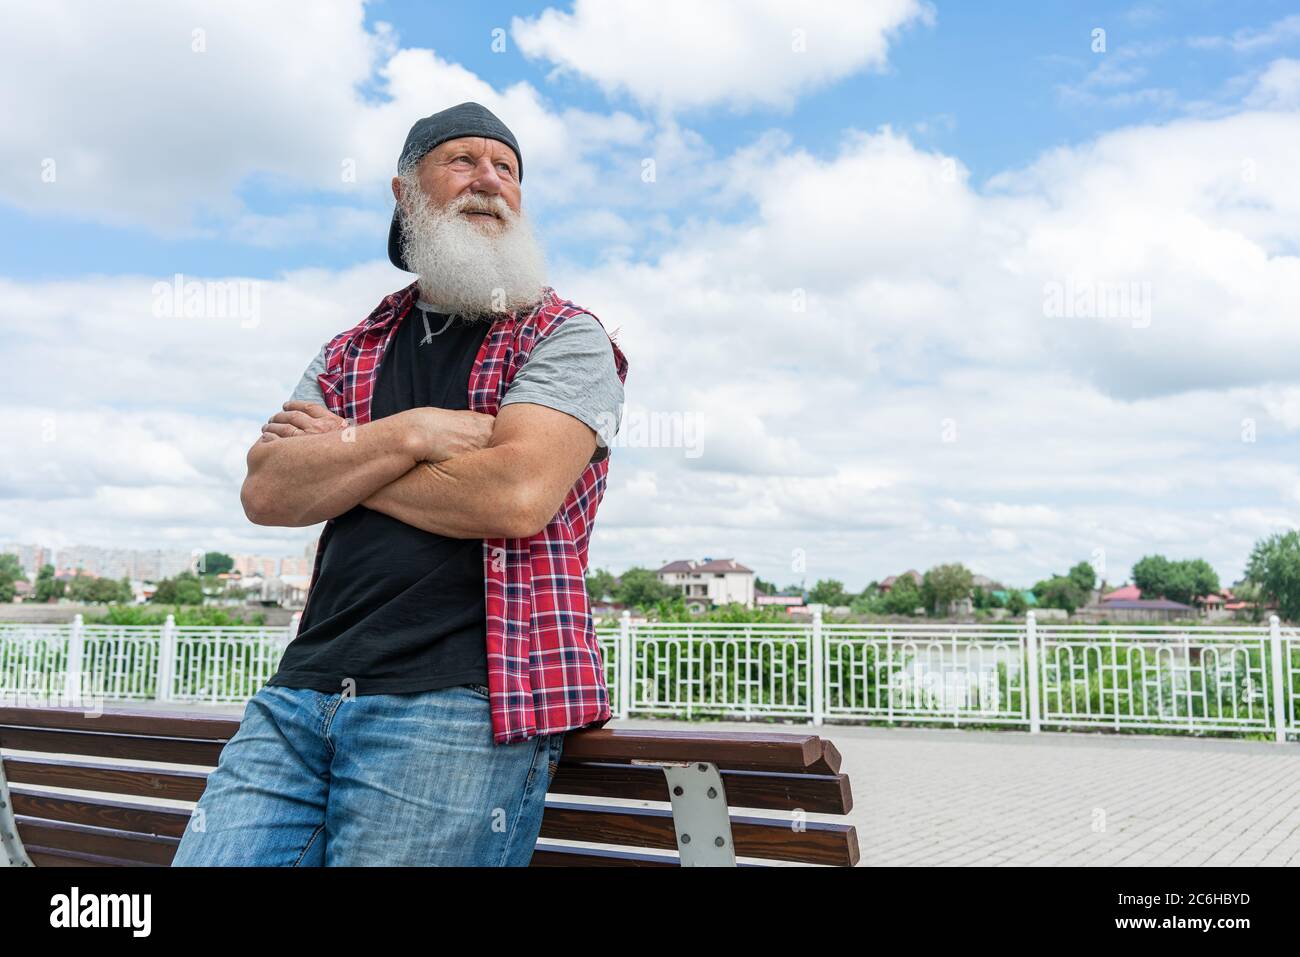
(329, 467)
(436, 435)
(510, 489)
(431, 435)
(302, 418)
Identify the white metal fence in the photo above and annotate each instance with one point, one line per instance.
(1183, 679)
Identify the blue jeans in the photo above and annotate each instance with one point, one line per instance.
(314, 779)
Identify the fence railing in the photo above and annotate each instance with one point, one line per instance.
(1243, 680)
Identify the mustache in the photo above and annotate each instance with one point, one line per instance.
(481, 203)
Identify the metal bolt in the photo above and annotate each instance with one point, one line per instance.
(678, 791)
(704, 767)
(719, 842)
(686, 839)
(713, 792)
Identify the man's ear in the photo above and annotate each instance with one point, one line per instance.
(397, 189)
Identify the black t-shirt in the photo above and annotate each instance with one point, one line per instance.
(395, 608)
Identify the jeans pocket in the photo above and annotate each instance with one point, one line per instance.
(480, 690)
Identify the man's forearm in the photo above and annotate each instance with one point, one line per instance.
(310, 478)
(480, 494)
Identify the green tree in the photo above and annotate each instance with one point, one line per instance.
(1183, 581)
(217, 563)
(641, 588)
(90, 590)
(48, 588)
(944, 584)
(1016, 603)
(1253, 595)
(984, 599)
(1202, 580)
(599, 584)
(184, 589)
(762, 587)
(870, 602)
(10, 572)
(1084, 576)
(79, 587)
(904, 598)
(1274, 566)
(1059, 591)
(828, 591)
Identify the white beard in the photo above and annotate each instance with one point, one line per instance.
(464, 268)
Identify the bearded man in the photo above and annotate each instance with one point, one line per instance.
(456, 444)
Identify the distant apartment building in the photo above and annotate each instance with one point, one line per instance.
(260, 565)
(117, 563)
(710, 581)
(30, 557)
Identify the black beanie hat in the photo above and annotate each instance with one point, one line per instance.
(464, 119)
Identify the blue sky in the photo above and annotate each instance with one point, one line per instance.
(921, 195)
(995, 101)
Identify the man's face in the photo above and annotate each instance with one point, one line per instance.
(483, 170)
(463, 231)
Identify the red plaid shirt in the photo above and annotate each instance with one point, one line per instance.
(545, 671)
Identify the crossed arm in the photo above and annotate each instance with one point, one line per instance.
(454, 473)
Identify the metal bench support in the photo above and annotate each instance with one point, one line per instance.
(12, 852)
(700, 814)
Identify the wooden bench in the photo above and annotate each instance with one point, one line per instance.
(699, 776)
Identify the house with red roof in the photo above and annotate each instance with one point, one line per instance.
(709, 581)
(889, 582)
(1126, 593)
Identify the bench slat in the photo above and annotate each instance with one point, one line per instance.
(166, 724)
(137, 748)
(554, 855)
(769, 838)
(734, 751)
(107, 778)
(816, 793)
(57, 857)
(83, 839)
(101, 812)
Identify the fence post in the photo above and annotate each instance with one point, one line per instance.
(76, 657)
(818, 707)
(1031, 679)
(625, 663)
(167, 659)
(1279, 687)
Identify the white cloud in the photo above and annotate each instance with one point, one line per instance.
(881, 311)
(677, 54)
(1278, 86)
(143, 128)
(869, 350)
(1251, 39)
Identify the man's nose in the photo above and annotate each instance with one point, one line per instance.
(486, 178)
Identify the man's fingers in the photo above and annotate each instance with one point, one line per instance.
(282, 429)
(314, 409)
(299, 420)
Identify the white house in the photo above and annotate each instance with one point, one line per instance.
(710, 581)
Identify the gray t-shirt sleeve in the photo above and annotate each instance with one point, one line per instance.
(308, 389)
(573, 370)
